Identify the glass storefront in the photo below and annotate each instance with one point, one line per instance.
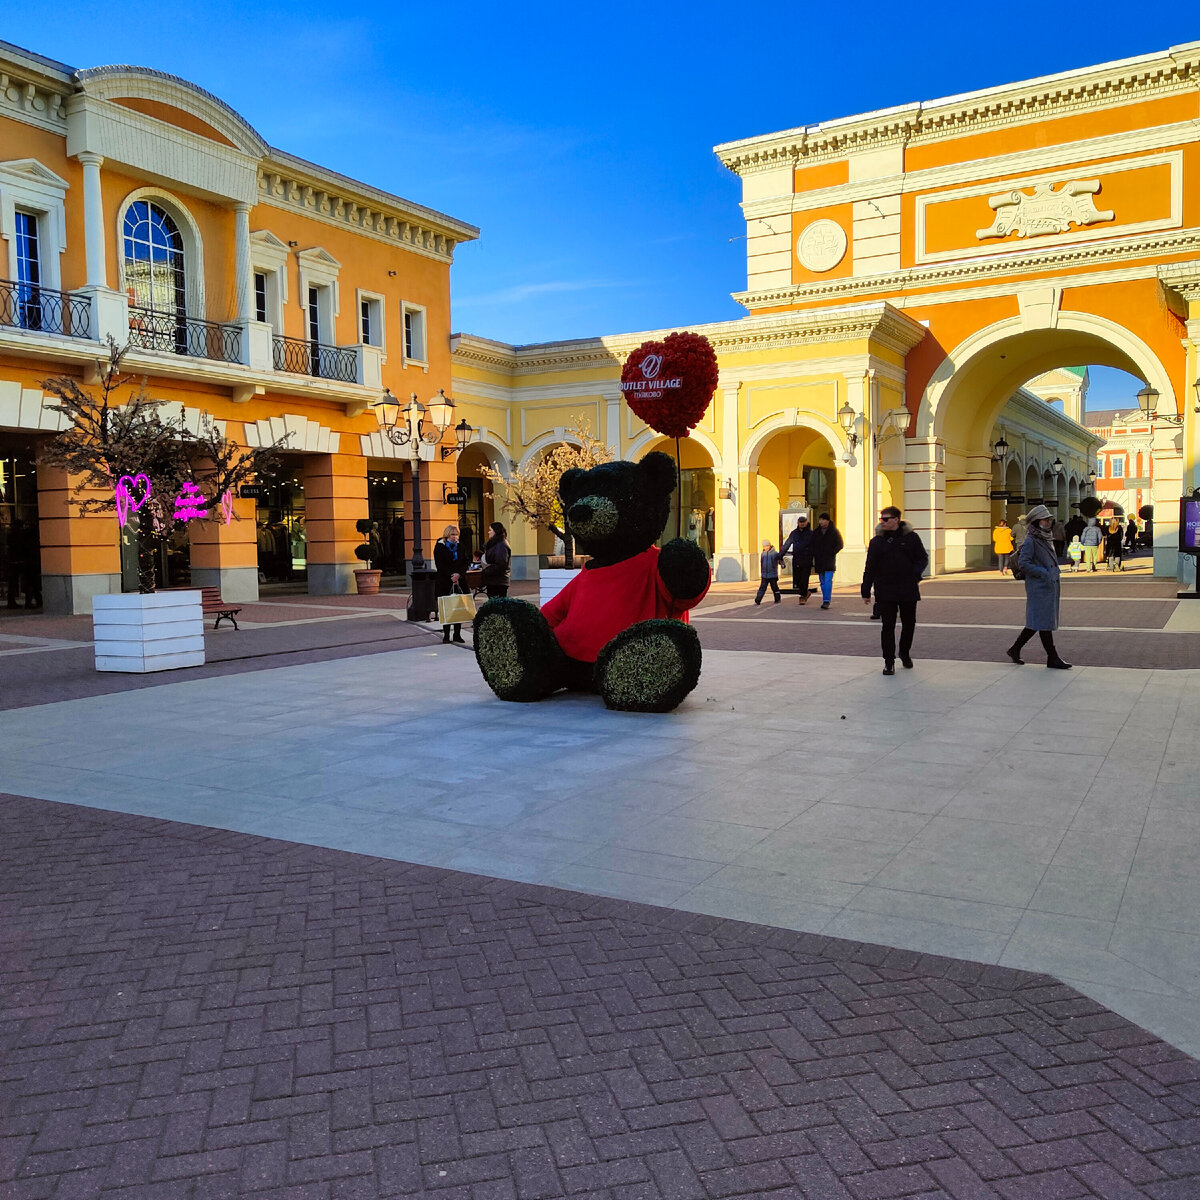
(172, 566)
(20, 547)
(282, 541)
(697, 494)
(385, 506)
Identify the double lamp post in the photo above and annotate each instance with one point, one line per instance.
(420, 428)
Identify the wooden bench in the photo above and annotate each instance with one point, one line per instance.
(211, 602)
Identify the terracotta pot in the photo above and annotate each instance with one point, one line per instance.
(560, 560)
(367, 582)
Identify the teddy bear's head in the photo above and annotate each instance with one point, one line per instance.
(618, 509)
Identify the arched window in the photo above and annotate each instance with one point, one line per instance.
(154, 276)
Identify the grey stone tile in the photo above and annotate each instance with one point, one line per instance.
(1080, 892)
(780, 911)
(688, 837)
(1015, 806)
(600, 882)
(650, 863)
(907, 796)
(762, 809)
(826, 857)
(1088, 851)
(1011, 882)
(926, 937)
(784, 884)
(884, 826)
(1161, 901)
(995, 840)
(937, 910)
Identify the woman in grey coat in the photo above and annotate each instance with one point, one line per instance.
(1040, 566)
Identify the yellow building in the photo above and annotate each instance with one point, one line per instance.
(269, 292)
(908, 273)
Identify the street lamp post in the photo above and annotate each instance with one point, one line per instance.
(407, 427)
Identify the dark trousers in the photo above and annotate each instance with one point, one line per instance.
(888, 609)
(496, 589)
(1047, 641)
(800, 575)
(767, 581)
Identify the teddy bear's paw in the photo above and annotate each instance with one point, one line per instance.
(516, 650)
(649, 667)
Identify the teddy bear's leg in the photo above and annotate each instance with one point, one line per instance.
(517, 651)
(649, 667)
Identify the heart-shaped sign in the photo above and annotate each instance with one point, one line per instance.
(669, 384)
(227, 506)
(125, 498)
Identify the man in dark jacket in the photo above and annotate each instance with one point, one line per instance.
(896, 559)
(800, 546)
(826, 543)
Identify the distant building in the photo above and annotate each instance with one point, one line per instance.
(1125, 464)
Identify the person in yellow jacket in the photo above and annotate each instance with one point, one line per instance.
(1002, 543)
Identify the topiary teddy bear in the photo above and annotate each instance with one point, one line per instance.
(619, 627)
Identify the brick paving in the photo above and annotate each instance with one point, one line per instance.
(192, 1013)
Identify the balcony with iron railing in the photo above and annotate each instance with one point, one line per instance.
(300, 357)
(35, 309)
(176, 333)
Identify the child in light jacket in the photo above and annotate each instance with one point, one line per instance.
(768, 565)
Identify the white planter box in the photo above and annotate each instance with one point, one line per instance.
(552, 581)
(137, 634)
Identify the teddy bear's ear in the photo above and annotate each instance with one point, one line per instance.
(658, 470)
(570, 481)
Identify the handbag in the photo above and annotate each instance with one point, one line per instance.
(456, 608)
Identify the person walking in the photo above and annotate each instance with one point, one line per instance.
(1058, 533)
(1131, 534)
(896, 559)
(497, 561)
(1114, 545)
(1091, 539)
(1002, 543)
(1042, 591)
(1020, 527)
(450, 561)
(768, 571)
(827, 542)
(799, 546)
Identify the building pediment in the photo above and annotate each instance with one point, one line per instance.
(29, 170)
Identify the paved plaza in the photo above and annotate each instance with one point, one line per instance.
(850, 877)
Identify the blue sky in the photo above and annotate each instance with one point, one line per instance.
(580, 140)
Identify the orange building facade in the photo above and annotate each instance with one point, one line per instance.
(266, 291)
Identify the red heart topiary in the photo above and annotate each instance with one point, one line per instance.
(669, 384)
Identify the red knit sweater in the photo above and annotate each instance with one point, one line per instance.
(600, 602)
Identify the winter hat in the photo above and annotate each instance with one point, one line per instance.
(1039, 512)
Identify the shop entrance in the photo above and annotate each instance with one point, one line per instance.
(20, 542)
(282, 541)
(385, 506)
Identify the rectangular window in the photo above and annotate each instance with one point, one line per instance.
(1118, 468)
(260, 296)
(314, 315)
(414, 334)
(366, 322)
(370, 319)
(29, 272)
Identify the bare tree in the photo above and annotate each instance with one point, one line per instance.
(142, 464)
(533, 491)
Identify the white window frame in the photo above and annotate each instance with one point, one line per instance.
(269, 256)
(193, 244)
(417, 310)
(1116, 467)
(378, 305)
(27, 185)
(319, 269)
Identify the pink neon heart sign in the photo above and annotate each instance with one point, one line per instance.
(227, 507)
(123, 494)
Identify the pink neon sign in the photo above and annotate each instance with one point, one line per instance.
(126, 500)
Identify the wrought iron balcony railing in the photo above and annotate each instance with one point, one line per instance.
(312, 358)
(179, 334)
(43, 310)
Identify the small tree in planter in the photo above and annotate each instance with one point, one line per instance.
(533, 492)
(366, 581)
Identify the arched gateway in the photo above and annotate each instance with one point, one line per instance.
(923, 284)
(1046, 224)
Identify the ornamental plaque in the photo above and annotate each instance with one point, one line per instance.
(1046, 211)
(821, 246)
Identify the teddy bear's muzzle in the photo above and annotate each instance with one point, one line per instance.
(593, 517)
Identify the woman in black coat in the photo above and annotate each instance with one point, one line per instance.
(450, 562)
(497, 557)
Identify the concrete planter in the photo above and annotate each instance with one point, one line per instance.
(552, 581)
(137, 634)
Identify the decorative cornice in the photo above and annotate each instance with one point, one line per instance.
(1181, 278)
(963, 271)
(338, 201)
(975, 112)
(877, 321)
(25, 97)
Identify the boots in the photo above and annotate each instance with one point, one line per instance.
(1014, 652)
(1057, 663)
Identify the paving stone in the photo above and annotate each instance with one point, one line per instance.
(311, 1024)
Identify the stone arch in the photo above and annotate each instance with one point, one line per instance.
(642, 443)
(991, 364)
(542, 443)
(496, 453)
(783, 423)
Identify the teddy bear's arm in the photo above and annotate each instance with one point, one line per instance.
(684, 569)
